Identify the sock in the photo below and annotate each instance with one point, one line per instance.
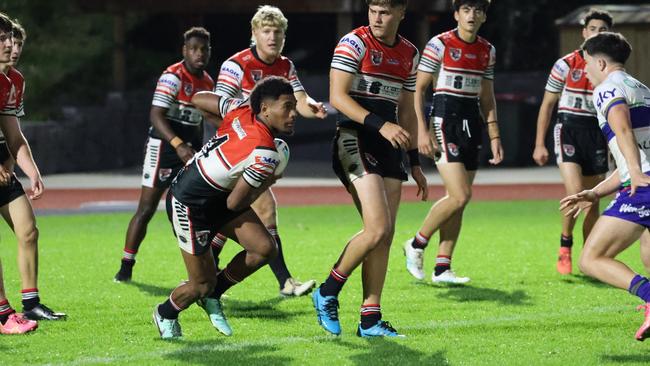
(129, 255)
(216, 245)
(5, 311)
(640, 287)
(168, 309)
(333, 284)
(278, 266)
(224, 281)
(566, 241)
(420, 241)
(370, 315)
(30, 298)
(443, 263)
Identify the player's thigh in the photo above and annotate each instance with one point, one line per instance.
(248, 230)
(150, 197)
(610, 236)
(590, 181)
(393, 196)
(571, 177)
(200, 267)
(265, 205)
(371, 194)
(22, 215)
(457, 180)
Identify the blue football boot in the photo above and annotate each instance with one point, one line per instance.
(327, 311)
(381, 329)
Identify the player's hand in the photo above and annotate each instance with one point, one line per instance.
(497, 151)
(5, 176)
(396, 135)
(576, 203)
(185, 152)
(540, 155)
(421, 181)
(638, 179)
(317, 108)
(427, 145)
(37, 187)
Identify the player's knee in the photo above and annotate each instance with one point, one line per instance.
(379, 234)
(269, 250)
(145, 212)
(461, 200)
(204, 288)
(28, 235)
(586, 264)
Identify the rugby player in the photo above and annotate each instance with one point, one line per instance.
(372, 80)
(11, 322)
(623, 108)
(580, 148)
(176, 130)
(15, 206)
(237, 77)
(214, 191)
(460, 65)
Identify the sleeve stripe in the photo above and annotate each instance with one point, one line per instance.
(612, 103)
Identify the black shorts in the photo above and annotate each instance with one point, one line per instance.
(195, 227)
(11, 192)
(459, 139)
(161, 164)
(582, 144)
(4, 151)
(357, 152)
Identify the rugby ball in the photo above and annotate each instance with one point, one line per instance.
(283, 151)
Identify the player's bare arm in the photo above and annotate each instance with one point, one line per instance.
(427, 143)
(540, 154)
(489, 109)
(619, 120)
(20, 149)
(308, 107)
(160, 123)
(408, 120)
(340, 83)
(243, 195)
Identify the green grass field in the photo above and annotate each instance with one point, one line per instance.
(516, 310)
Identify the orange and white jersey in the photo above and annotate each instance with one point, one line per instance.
(15, 105)
(381, 72)
(568, 77)
(174, 91)
(239, 74)
(242, 147)
(461, 67)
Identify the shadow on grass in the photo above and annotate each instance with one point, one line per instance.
(218, 353)
(642, 359)
(392, 351)
(580, 278)
(465, 293)
(265, 309)
(150, 289)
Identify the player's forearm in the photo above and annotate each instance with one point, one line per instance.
(207, 102)
(489, 109)
(25, 161)
(302, 105)
(349, 107)
(543, 121)
(608, 186)
(418, 103)
(161, 124)
(407, 118)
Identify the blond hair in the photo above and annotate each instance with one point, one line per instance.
(268, 15)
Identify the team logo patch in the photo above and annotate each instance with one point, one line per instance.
(376, 57)
(202, 237)
(187, 88)
(371, 159)
(455, 53)
(146, 176)
(164, 174)
(256, 75)
(576, 74)
(453, 149)
(569, 150)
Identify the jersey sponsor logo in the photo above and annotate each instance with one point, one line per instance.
(576, 74)
(569, 150)
(453, 149)
(376, 57)
(265, 160)
(604, 95)
(187, 88)
(202, 237)
(371, 159)
(230, 71)
(169, 82)
(164, 174)
(236, 126)
(435, 47)
(256, 75)
(641, 211)
(352, 42)
(470, 56)
(644, 145)
(455, 53)
(392, 61)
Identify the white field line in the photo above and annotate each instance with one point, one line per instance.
(271, 341)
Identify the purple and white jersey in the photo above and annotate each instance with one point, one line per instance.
(619, 87)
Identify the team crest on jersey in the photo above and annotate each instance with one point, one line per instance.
(453, 149)
(256, 75)
(569, 150)
(202, 237)
(164, 174)
(376, 57)
(576, 74)
(455, 53)
(187, 88)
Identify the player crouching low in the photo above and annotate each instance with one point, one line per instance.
(213, 193)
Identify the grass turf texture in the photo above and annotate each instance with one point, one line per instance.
(516, 310)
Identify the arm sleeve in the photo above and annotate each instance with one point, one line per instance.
(166, 90)
(557, 77)
(226, 105)
(293, 79)
(432, 56)
(261, 164)
(229, 80)
(409, 84)
(489, 72)
(606, 95)
(348, 54)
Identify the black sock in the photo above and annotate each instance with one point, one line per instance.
(333, 284)
(566, 241)
(224, 282)
(168, 310)
(278, 266)
(30, 298)
(370, 315)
